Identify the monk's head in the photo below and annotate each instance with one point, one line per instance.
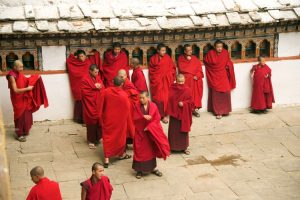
(218, 45)
(118, 81)
(161, 49)
(94, 71)
(37, 173)
(18, 65)
(135, 62)
(97, 170)
(188, 50)
(144, 97)
(122, 74)
(81, 55)
(180, 79)
(261, 60)
(116, 48)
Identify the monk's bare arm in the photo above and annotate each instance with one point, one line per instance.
(16, 89)
(83, 194)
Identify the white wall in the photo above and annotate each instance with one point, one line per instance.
(54, 57)
(289, 44)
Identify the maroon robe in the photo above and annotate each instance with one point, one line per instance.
(45, 189)
(138, 80)
(102, 190)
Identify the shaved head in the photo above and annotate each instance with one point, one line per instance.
(96, 165)
(122, 74)
(37, 171)
(180, 79)
(118, 81)
(135, 62)
(145, 93)
(18, 63)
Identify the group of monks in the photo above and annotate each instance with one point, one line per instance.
(118, 111)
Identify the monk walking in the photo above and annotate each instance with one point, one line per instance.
(137, 76)
(44, 189)
(191, 67)
(98, 186)
(262, 91)
(220, 80)
(162, 74)
(150, 142)
(180, 108)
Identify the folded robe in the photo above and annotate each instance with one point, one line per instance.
(102, 190)
(138, 80)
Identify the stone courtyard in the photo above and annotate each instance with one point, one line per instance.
(243, 156)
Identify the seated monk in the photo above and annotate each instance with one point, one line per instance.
(137, 76)
(150, 141)
(44, 189)
(97, 187)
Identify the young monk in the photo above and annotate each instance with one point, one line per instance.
(91, 87)
(78, 67)
(137, 76)
(191, 67)
(114, 108)
(162, 74)
(220, 75)
(44, 189)
(97, 187)
(114, 60)
(262, 91)
(150, 142)
(180, 108)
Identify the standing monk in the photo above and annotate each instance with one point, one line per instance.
(78, 67)
(262, 92)
(150, 142)
(114, 116)
(162, 74)
(97, 187)
(91, 87)
(114, 60)
(220, 80)
(191, 67)
(137, 76)
(180, 108)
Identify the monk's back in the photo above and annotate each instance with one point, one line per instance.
(45, 190)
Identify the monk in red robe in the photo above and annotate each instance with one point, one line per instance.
(162, 74)
(91, 87)
(220, 80)
(114, 60)
(191, 67)
(262, 91)
(97, 187)
(150, 141)
(27, 95)
(44, 189)
(137, 76)
(78, 67)
(114, 117)
(180, 108)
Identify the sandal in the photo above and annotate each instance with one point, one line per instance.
(92, 146)
(139, 175)
(186, 152)
(219, 117)
(21, 139)
(165, 120)
(105, 165)
(125, 157)
(157, 173)
(196, 114)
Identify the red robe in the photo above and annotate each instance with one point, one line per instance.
(158, 146)
(262, 92)
(162, 74)
(112, 64)
(102, 190)
(45, 190)
(180, 92)
(190, 69)
(138, 80)
(114, 109)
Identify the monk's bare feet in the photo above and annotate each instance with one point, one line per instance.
(92, 146)
(186, 152)
(219, 116)
(21, 138)
(165, 120)
(157, 173)
(196, 113)
(106, 162)
(125, 156)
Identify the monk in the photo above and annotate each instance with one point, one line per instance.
(137, 76)
(220, 80)
(150, 141)
(27, 95)
(78, 67)
(262, 92)
(98, 186)
(114, 109)
(44, 189)
(180, 108)
(91, 87)
(191, 67)
(114, 60)
(162, 74)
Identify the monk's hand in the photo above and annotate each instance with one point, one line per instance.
(98, 85)
(195, 78)
(267, 76)
(148, 117)
(180, 104)
(29, 88)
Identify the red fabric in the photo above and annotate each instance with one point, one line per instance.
(190, 69)
(216, 72)
(102, 190)
(219, 102)
(90, 99)
(45, 190)
(162, 74)
(138, 80)
(96, 59)
(231, 74)
(38, 93)
(112, 64)
(262, 92)
(23, 124)
(159, 145)
(180, 92)
(114, 111)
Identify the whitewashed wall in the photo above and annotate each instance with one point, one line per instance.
(289, 44)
